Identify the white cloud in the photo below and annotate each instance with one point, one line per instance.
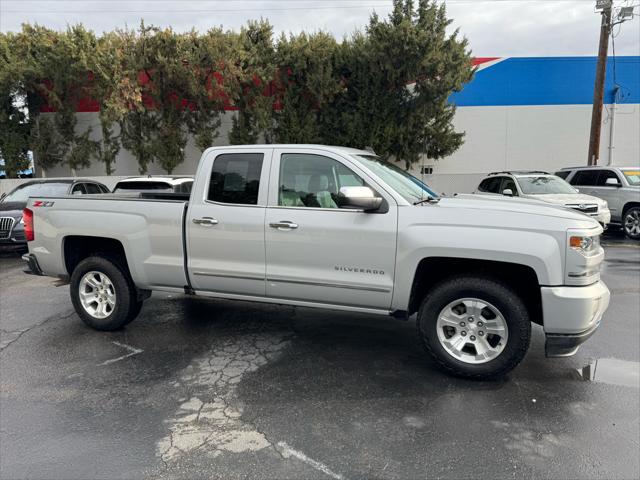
(494, 28)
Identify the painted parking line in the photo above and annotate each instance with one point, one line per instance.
(287, 452)
(132, 351)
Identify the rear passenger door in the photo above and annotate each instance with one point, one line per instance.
(225, 223)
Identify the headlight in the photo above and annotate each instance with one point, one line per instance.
(584, 257)
(587, 245)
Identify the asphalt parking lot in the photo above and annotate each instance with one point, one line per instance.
(218, 389)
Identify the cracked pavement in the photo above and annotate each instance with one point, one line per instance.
(221, 389)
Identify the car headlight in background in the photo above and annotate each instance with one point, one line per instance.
(21, 222)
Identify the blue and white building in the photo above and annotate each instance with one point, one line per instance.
(535, 113)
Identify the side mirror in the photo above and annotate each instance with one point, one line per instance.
(359, 197)
(508, 192)
(612, 182)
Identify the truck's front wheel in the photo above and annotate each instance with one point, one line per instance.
(103, 294)
(474, 327)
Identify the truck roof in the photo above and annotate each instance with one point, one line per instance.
(334, 148)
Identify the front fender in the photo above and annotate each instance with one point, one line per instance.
(538, 250)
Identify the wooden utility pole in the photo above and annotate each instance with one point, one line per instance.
(598, 93)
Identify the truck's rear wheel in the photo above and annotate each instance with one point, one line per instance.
(474, 327)
(103, 294)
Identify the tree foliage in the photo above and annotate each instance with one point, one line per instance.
(156, 90)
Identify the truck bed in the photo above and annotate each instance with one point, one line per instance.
(150, 228)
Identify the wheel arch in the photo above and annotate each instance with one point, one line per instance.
(521, 278)
(76, 248)
(627, 206)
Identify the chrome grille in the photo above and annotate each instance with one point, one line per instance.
(588, 208)
(6, 225)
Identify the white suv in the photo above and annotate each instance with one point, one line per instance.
(547, 188)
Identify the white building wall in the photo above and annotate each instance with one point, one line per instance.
(531, 138)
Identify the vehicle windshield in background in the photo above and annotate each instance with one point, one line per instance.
(400, 180)
(143, 187)
(544, 185)
(49, 189)
(632, 176)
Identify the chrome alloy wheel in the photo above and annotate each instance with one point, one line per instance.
(632, 223)
(97, 294)
(472, 330)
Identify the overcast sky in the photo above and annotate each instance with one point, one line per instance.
(493, 27)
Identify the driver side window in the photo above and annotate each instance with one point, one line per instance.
(313, 181)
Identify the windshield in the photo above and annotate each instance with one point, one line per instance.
(401, 181)
(544, 185)
(23, 192)
(143, 187)
(632, 176)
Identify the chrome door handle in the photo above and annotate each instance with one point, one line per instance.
(284, 225)
(208, 221)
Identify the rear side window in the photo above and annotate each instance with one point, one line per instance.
(585, 177)
(92, 188)
(490, 185)
(78, 189)
(235, 178)
(563, 174)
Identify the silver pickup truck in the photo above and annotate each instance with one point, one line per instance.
(335, 228)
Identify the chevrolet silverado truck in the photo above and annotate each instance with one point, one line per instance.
(335, 228)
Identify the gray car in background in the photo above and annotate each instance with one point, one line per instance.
(619, 186)
(11, 204)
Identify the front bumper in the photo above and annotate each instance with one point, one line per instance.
(559, 345)
(571, 315)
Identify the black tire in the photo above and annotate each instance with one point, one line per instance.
(489, 290)
(135, 311)
(127, 306)
(629, 219)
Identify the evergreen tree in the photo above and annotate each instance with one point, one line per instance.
(398, 77)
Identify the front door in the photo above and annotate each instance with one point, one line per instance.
(225, 228)
(317, 251)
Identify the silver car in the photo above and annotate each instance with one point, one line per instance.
(619, 186)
